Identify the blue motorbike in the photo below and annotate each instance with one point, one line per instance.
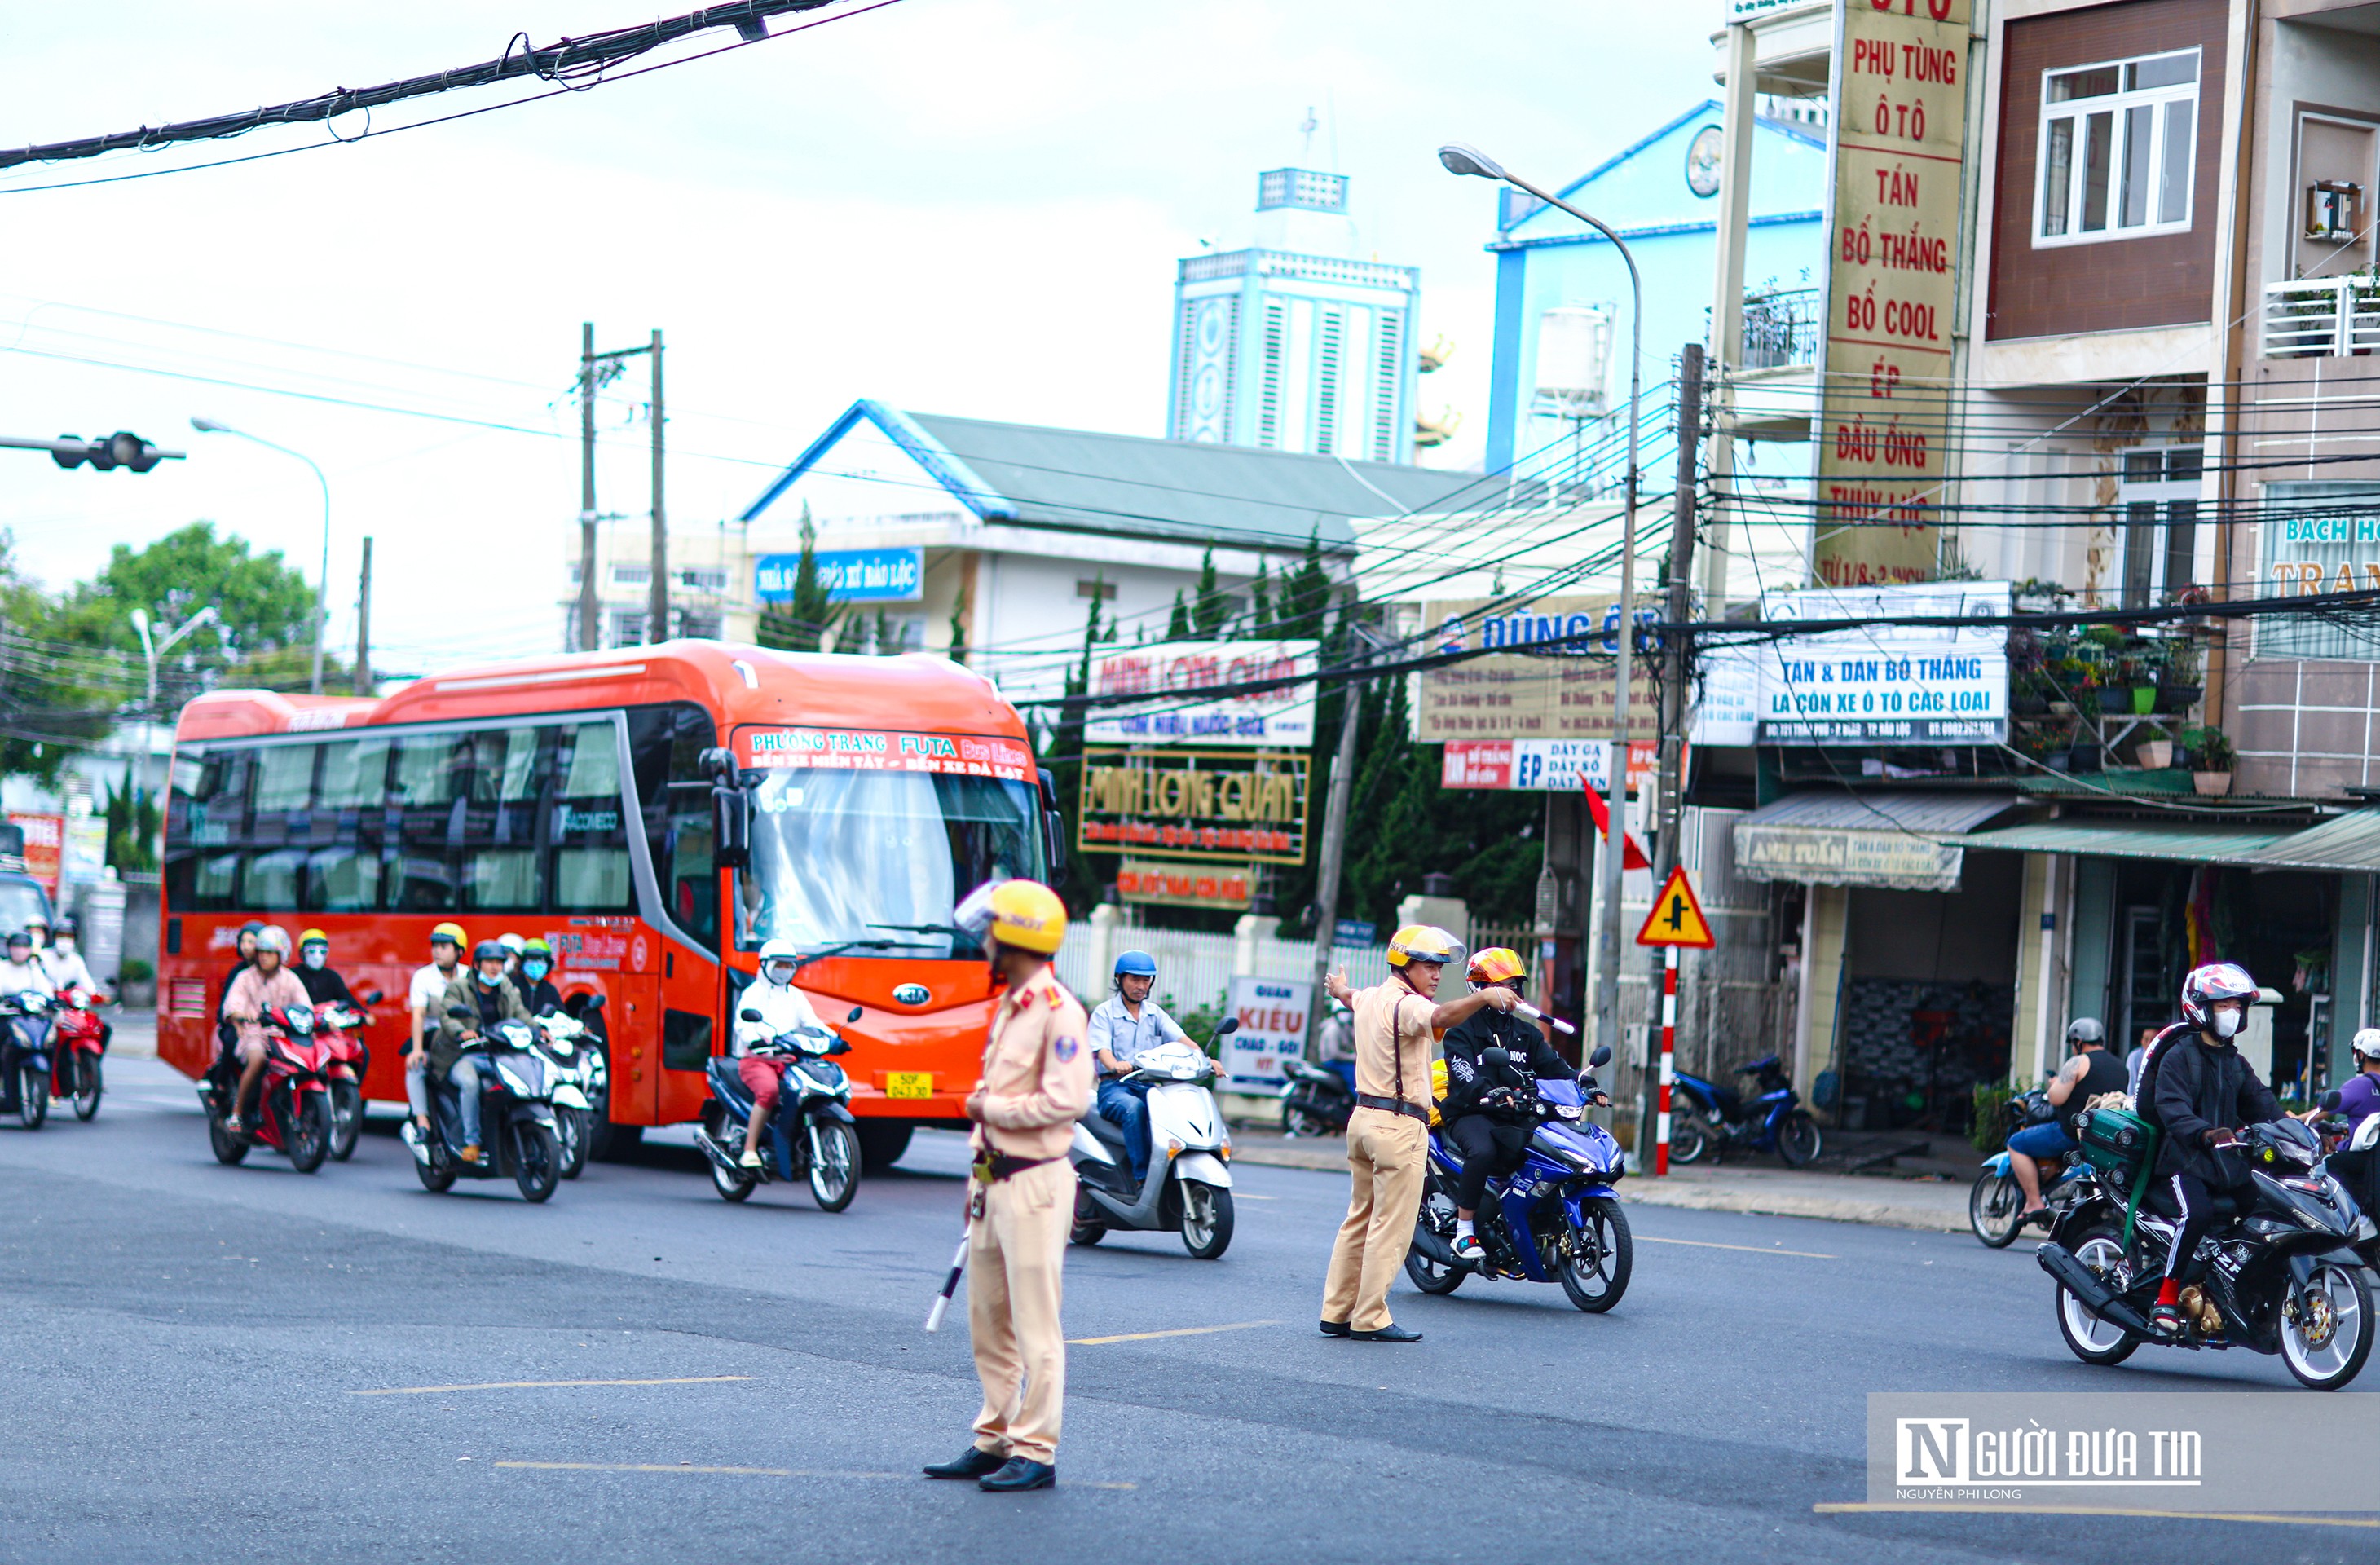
(1553, 1220)
(812, 1132)
(1993, 1206)
(1708, 1120)
(25, 1057)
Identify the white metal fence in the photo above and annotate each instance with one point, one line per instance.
(2320, 315)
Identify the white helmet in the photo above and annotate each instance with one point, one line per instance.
(512, 943)
(275, 939)
(2367, 1044)
(778, 950)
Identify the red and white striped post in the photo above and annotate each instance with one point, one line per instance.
(1669, 1048)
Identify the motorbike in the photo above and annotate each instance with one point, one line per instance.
(24, 1056)
(516, 1130)
(340, 1028)
(575, 1068)
(1994, 1205)
(2277, 1274)
(1708, 1119)
(79, 1042)
(2355, 1160)
(293, 1096)
(1555, 1218)
(1317, 1101)
(1188, 1188)
(810, 1133)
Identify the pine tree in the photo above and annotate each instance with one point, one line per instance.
(888, 640)
(1304, 596)
(958, 649)
(802, 623)
(1261, 592)
(1210, 608)
(1178, 627)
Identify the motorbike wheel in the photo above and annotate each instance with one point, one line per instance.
(229, 1148)
(1992, 1209)
(310, 1131)
(436, 1178)
(835, 1165)
(1088, 1227)
(881, 1146)
(730, 1185)
(1596, 1264)
(2327, 1338)
(1798, 1141)
(2090, 1338)
(1206, 1220)
(1438, 1213)
(346, 1119)
(570, 1129)
(1689, 1139)
(87, 1087)
(537, 1160)
(33, 1097)
(1300, 1119)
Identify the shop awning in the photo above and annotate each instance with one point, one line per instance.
(1833, 837)
(2349, 842)
(2184, 840)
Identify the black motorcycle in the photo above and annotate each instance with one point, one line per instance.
(24, 1056)
(2276, 1273)
(811, 1132)
(1317, 1102)
(516, 1130)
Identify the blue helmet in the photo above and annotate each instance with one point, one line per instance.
(1136, 964)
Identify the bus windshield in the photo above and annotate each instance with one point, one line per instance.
(883, 857)
(21, 903)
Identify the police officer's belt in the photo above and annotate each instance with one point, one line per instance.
(1393, 1104)
(993, 1166)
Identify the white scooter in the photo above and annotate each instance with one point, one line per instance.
(1189, 1190)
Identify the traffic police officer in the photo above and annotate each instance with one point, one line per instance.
(1387, 1133)
(1036, 1083)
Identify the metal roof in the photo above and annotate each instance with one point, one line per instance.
(1919, 812)
(2348, 842)
(1082, 480)
(2189, 842)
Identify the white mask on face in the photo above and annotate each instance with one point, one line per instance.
(2227, 1023)
(64, 945)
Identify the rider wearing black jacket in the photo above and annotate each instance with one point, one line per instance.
(2198, 1090)
(1490, 1104)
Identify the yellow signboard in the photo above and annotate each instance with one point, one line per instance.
(1247, 807)
(1548, 674)
(1900, 125)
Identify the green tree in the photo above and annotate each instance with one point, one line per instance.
(58, 691)
(1211, 606)
(802, 623)
(1178, 627)
(132, 824)
(262, 634)
(1303, 602)
(1062, 754)
(958, 650)
(1260, 592)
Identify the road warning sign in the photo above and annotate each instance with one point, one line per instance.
(1677, 917)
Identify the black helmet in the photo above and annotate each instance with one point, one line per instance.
(68, 924)
(2082, 1030)
(488, 951)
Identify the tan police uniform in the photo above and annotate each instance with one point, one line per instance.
(1037, 1082)
(1388, 1151)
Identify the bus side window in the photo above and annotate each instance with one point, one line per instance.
(589, 824)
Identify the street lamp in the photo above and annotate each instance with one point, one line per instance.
(1460, 159)
(322, 594)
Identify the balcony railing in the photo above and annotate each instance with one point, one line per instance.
(2322, 316)
(1782, 328)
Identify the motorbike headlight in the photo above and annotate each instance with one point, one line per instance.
(1568, 1110)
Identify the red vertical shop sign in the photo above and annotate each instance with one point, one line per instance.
(45, 840)
(1900, 129)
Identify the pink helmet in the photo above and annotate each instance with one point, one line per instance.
(2216, 980)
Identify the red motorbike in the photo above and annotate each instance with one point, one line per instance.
(293, 1097)
(76, 1050)
(340, 1030)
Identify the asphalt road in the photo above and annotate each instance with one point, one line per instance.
(249, 1363)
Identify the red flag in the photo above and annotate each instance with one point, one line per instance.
(1632, 854)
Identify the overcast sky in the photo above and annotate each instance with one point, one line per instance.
(968, 207)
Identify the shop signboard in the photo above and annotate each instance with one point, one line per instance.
(1173, 674)
(1887, 684)
(1228, 887)
(1233, 807)
(1837, 856)
(45, 840)
(1900, 128)
(850, 576)
(1543, 765)
(1548, 672)
(1271, 1012)
(84, 856)
(2321, 537)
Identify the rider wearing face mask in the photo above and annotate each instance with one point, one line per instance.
(536, 991)
(63, 962)
(2199, 1090)
(782, 1009)
(323, 985)
(487, 998)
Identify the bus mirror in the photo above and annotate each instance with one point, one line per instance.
(731, 821)
(1054, 827)
(716, 762)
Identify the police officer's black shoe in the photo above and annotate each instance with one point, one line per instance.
(1019, 1474)
(972, 1462)
(1335, 1329)
(1389, 1333)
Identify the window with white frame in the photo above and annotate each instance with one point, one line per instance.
(2157, 496)
(2118, 149)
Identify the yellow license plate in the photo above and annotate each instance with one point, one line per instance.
(908, 1083)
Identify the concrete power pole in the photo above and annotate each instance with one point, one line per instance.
(363, 624)
(660, 628)
(591, 627)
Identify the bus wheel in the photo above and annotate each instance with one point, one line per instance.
(880, 1145)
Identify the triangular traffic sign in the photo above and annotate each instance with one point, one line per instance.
(1677, 917)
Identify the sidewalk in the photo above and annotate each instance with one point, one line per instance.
(1921, 1190)
(135, 1036)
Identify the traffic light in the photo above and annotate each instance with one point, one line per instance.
(122, 449)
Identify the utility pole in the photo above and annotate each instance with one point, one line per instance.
(590, 628)
(363, 624)
(1677, 668)
(1334, 829)
(660, 628)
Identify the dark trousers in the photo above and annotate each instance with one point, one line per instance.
(1488, 1146)
(2196, 1202)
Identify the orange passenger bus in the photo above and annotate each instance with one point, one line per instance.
(586, 798)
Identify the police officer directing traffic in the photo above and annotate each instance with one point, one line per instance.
(1036, 1083)
(1387, 1133)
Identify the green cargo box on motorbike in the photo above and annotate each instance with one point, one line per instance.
(2123, 1148)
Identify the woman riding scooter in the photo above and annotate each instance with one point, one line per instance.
(1490, 1105)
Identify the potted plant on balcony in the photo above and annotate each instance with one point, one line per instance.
(2136, 674)
(2211, 759)
(2181, 682)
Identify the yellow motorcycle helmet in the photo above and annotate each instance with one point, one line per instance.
(1025, 914)
(1421, 942)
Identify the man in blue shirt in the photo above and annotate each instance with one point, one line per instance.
(2359, 1095)
(1124, 1024)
